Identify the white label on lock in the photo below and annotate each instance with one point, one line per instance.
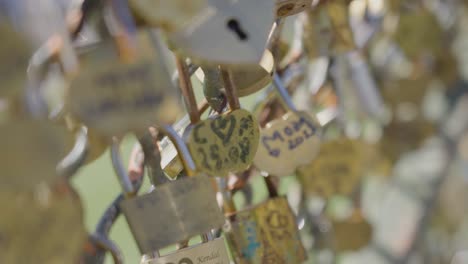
(213, 252)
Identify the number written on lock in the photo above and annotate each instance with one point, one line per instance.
(288, 143)
(226, 143)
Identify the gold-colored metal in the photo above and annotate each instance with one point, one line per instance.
(418, 33)
(31, 151)
(171, 16)
(114, 97)
(327, 31)
(351, 234)
(266, 233)
(287, 143)
(175, 212)
(224, 143)
(402, 137)
(250, 78)
(14, 55)
(187, 90)
(338, 168)
(286, 8)
(44, 225)
(212, 252)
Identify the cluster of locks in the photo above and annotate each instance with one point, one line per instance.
(358, 130)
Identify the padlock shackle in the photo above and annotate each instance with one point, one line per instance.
(186, 88)
(181, 147)
(283, 93)
(212, 85)
(108, 246)
(230, 88)
(119, 168)
(77, 156)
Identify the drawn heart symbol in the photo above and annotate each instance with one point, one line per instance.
(224, 127)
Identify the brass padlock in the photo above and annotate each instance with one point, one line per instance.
(248, 79)
(338, 168)
(14, 55)
(224, 143)
(51, 213)
(351, 234)
(171, 213)
(241, 27)
(40, 144)
(264, 233)
(327, 30)
(289, 142)
(114, 95)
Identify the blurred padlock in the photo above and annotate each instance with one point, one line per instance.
(264, 233)
(171, 16)
(225, 143)
(170, 213)
(123, 90)
(288, 142)
(352, 233)
(327, 30)
(51, 213)
(227, 32)
(14, 55)
(40, 144)
(338, 168)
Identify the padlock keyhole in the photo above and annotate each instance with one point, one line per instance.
(233, 25)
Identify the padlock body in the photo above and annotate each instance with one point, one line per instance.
(287, 143)
(225, 143)
(173, 212)
(266, 233)
(114, 97)
(211, 252)
(14, 55)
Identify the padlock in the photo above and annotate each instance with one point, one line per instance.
(249, 79)
(417, 26)
(15, 53)
(241, 27)
(289, 142)
(338, 168)
(51, 213)
(97, 144)
(327, 30)
(115, 95)
(171, 213)
(264, 233)
(286, 8)
(98, 244)
(349, 234)
(171, 16)
(224, 143)
(42, 145)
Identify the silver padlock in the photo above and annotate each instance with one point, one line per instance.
(172, 212)
(227, 32)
